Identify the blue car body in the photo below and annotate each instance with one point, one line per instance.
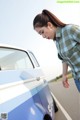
(24, 92)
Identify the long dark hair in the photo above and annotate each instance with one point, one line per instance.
(46, 16)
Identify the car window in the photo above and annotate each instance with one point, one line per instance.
(12, 59)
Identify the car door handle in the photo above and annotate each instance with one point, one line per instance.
(38, 78)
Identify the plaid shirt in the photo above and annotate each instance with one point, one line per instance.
(68, 45)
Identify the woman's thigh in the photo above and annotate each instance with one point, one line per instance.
(77, 82)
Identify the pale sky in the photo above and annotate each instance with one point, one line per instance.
(16, 28)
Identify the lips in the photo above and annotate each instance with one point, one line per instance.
(48, 38)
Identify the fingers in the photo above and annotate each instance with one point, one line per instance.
(66, 84)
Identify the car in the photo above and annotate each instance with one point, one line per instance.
(24, 91)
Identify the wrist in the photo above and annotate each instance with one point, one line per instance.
(64, 75)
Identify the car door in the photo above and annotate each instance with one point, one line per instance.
(43, 89)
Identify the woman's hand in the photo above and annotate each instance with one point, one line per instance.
(65, 81)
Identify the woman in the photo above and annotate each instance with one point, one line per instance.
(67, 38)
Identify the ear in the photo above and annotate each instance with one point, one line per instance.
(49, 24)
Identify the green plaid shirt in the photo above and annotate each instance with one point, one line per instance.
(68, 45)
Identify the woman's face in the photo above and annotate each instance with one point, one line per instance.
(47, 32)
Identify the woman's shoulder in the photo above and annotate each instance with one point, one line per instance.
(71, 27)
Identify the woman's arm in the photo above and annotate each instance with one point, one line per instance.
(64, 72)
(64, 75)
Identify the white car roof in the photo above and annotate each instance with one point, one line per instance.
(14, 47)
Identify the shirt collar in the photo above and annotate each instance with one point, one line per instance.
(58, 33)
